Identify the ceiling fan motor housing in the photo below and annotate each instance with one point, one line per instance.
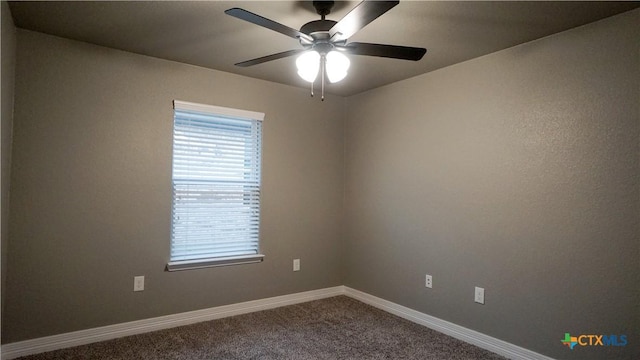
(319, 29)
(317, 26)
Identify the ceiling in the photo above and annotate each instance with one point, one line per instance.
(200, 33)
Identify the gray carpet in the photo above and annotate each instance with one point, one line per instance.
(333, 328)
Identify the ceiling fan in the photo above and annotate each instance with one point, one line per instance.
(325, 42)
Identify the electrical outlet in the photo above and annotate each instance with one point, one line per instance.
(428, 281)
(479, 295)
(138, 283)
(296, 264)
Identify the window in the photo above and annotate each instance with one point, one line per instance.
(216, 186)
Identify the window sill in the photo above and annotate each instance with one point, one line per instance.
(207, 263)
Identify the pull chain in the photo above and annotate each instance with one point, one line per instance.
(323, 61)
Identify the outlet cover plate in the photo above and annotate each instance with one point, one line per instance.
(479, 295)
(138, 283)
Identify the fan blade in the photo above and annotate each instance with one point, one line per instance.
(359, 17)
(269, 24)
(388, 51)
(264, 59)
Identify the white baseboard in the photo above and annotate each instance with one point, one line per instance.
(486, 342)
(82, 337)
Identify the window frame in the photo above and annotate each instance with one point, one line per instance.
(214, 261)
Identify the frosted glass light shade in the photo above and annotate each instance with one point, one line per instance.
(337, 66)
(308, 65)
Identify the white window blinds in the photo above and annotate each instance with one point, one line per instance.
(216, 186)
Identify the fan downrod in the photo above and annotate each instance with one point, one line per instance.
(323, 8)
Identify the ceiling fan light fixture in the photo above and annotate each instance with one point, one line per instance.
(308, 65)
(337, 66)
(321, 38)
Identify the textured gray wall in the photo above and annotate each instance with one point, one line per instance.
(7, 75)
(517, 172)
(91, 189)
